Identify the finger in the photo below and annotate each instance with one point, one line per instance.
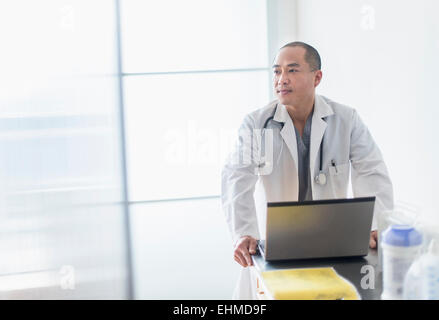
(375, 235)
(372, 243)
(376, 238)
(253, 245)
(237, 260)
(373, 239)
(247, 257)
(240, 259)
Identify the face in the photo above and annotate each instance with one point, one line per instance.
(293, 79)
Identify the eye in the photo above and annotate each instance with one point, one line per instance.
(276, 71)
(293, 70)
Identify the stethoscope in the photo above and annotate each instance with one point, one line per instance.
(320, 178)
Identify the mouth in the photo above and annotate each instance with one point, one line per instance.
(284, 92)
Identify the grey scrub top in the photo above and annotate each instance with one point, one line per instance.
(303, 144)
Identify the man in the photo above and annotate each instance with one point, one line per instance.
(302, 125)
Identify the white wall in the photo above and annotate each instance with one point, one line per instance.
(380, 57)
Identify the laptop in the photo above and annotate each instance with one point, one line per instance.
(317, 229)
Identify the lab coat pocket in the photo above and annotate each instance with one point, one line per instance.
(339, 179)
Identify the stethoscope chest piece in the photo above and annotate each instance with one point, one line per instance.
(321, 179)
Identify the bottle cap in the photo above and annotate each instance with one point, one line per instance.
(402, 236)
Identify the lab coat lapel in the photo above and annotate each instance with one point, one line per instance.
(287, 133)
(318, 127)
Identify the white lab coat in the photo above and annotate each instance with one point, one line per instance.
(347, 143)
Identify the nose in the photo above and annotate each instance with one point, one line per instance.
(283, 79)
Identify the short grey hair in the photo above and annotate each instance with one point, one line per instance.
(312, 56)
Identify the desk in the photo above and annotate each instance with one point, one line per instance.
(348, 268)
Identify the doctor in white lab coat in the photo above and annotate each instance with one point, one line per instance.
(264, 167)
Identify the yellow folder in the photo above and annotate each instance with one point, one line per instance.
(309, 284)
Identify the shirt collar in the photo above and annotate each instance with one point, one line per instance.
(321, 110)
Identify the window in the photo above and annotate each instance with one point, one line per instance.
(192, 70)
(60, 157)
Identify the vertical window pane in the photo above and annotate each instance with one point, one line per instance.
(62, 223)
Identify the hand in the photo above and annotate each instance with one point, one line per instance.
(373, 242)
(244, 247)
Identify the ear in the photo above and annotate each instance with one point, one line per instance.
(318, 78)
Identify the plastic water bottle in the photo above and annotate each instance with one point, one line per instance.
(430, 266)
(400, 244)
(422, 279)
(413, 281)
(402, 214)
